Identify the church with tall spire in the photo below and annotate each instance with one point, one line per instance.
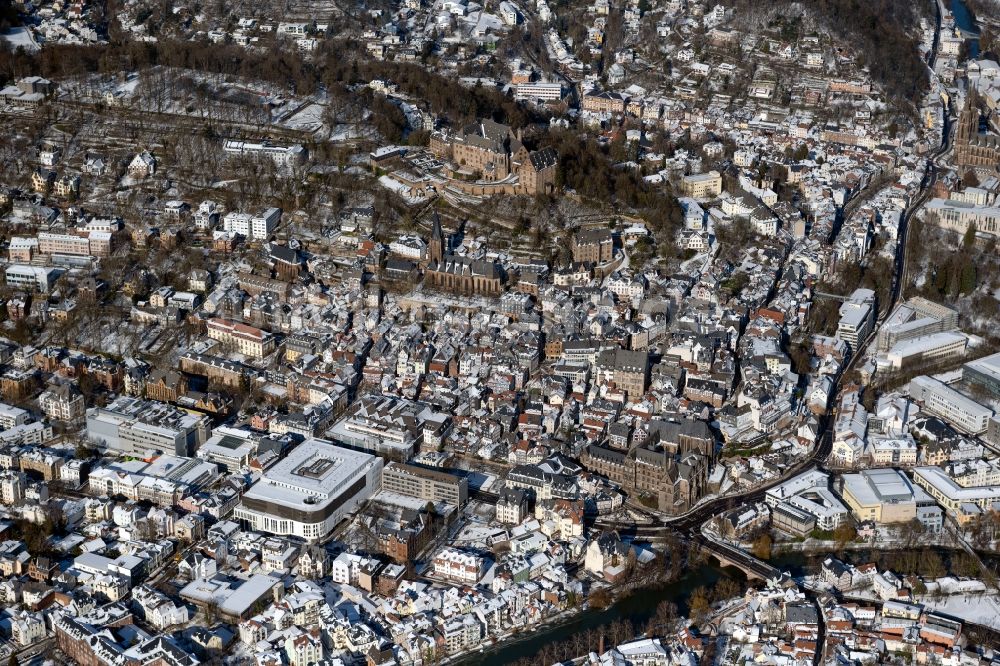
(972, 148)
(436, 248)
(459, 274)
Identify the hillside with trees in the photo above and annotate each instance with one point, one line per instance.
(882, 33)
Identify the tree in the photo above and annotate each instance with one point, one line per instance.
(967, 279)
(969, 239)
(844, 533)
(699, 605)
(762, 547)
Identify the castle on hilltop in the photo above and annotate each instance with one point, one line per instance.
(493, 153)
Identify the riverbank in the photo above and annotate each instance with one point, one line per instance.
(637, 607)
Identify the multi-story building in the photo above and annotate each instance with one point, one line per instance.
(549, 92)
(598, 101)
(915, 318)
(886, 496)
(933, 348)
(702, 185)
(952, 496)
(941, 400)
(62, 402)
(11, 416)
(857, 316)
(983, 374)
(628, 370)
(459, 566)
(293, 154)
(49, 243)
(12, 486)
(390, 426)
(308, 492)
(425, 484)
(243, 338)
(32, 278)
(256, 227)
(141, 427)
(594, 245)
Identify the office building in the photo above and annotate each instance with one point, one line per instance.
(549, 92)
(929, 349)
(808, 493)
(983, 374)
(955, 498)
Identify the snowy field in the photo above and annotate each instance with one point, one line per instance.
(19, 37)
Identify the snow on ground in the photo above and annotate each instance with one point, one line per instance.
(970, 607)
(307, 119)
(19, 37)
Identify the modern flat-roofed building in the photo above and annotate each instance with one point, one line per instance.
(425, 484)
(941, 400)
(144, 427)
(958, 216)
(11, 416)
(983, 373)
(308, 492)
(950, 494)
(281, 154)
(33, 278)
(810, 493)
(548, 92)
(915, 318)
(886, 496)
(857, 316)
(230, 448)
(932, 348)
(702, 185)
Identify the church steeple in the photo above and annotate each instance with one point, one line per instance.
(435, 249)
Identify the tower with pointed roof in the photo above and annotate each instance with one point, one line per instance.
(436, 248)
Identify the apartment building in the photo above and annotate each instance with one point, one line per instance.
(459, 566)
(256, 227)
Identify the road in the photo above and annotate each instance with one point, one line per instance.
(690, 523)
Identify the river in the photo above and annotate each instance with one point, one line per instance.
(638, 608)
(965, 21)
